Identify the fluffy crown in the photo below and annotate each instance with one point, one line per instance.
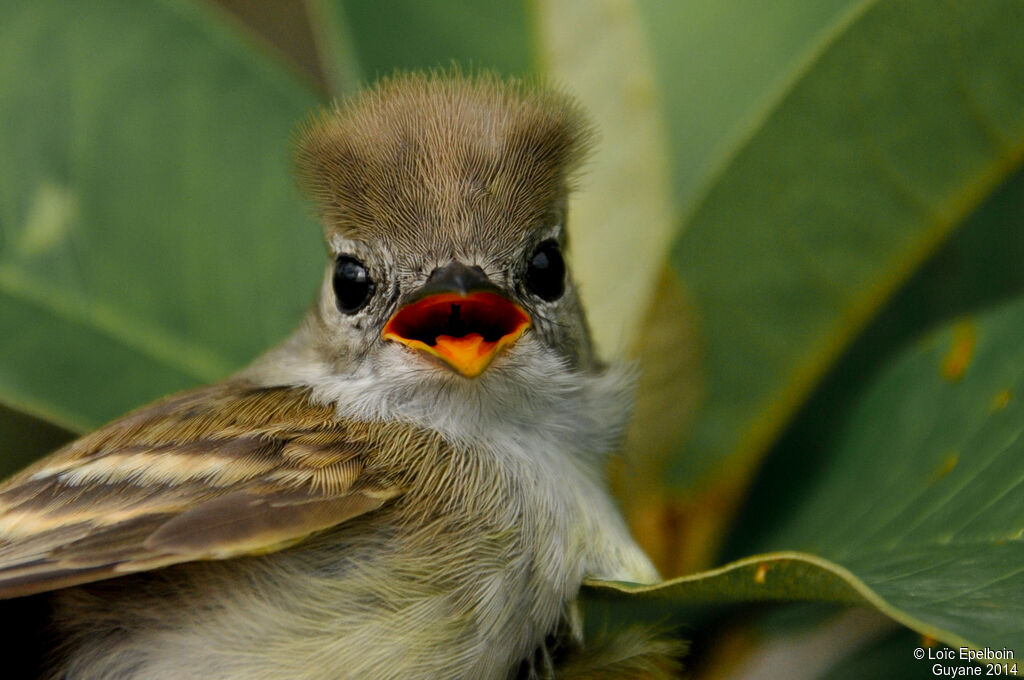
(420, 157)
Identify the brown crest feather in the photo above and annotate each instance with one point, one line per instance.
(380, 164)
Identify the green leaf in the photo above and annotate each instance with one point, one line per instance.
(150, 234)
(723, 66)
(906, 115)
(978, 267)
(916, 509)
(417, 35)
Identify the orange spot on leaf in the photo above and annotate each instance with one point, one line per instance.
(946, 467)
(958, 358)
(761, 573)
(928, 641)
(1000, 400)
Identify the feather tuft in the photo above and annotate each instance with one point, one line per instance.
(426, 156)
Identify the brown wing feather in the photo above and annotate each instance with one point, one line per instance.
(218, 472)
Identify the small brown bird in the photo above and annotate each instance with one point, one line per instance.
(410, 485)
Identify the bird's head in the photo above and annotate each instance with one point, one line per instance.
(443, 203)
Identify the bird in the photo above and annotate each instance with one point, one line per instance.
(408, 486)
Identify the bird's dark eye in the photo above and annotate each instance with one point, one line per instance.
(545, 272)
(353, 286)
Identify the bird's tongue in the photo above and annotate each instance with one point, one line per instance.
(464, 331)
(470, 353)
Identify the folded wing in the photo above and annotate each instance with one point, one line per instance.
(219, 472)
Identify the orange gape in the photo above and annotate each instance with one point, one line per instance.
(464, 331)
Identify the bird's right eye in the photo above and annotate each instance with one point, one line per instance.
(353, 286)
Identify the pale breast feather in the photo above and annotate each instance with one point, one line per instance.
(218, 472)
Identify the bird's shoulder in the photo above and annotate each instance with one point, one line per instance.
(226, 470)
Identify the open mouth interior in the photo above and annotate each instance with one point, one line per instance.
(486, 314)
(465, 331)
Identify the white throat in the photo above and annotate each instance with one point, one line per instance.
(528, 395)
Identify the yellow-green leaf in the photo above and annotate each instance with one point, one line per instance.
(902, 119)
(916, 509)
(149, 226)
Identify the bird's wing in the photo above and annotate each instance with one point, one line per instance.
(218, 472)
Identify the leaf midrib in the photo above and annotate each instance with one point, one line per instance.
(778, 409)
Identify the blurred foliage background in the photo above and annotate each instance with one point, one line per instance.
(803, 222)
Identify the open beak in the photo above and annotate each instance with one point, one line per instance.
(459, 317)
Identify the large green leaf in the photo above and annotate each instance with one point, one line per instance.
(723, 66)
(903, 118)
(416, 35)
(150, 234)
(917, 506)
(979, 266)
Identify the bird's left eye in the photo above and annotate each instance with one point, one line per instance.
(353, 286)
(545, 272)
